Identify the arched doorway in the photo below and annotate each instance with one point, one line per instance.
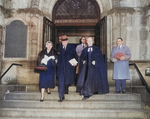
(77, 18)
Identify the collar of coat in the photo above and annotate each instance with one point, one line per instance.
(121, 46)
(93, 47)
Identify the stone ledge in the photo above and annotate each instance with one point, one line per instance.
(11, 88)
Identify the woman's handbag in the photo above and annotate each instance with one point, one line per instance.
(41, 67)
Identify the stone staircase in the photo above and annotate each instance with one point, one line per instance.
(26, 105)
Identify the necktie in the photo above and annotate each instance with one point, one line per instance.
(83, 45)
(63, 49)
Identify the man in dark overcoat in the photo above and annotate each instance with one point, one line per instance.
(66, 71)
(93, 75)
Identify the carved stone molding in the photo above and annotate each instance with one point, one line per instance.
(32, 11)
(121, 11)
(6, 12)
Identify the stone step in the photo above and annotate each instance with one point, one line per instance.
(73, 88)
(50, 113)
(71, 96)
(67, 118)
(73, 104)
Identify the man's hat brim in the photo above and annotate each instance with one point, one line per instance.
(64, 39)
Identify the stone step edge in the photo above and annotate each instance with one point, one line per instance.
(70, 92)
(66, 118)
(90, 110)
(74, 101)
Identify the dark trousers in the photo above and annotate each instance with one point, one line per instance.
(62, 88)
(120, 84)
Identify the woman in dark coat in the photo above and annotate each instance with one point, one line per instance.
(93, 75)
(47, 78)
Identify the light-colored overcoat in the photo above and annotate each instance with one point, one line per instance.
(121, 68)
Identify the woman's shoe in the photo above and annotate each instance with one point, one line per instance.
(48, 92)
(41, 100)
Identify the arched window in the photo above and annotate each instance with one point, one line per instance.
(16, 40)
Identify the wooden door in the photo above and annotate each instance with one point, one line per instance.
(48, 31)
(101, 36)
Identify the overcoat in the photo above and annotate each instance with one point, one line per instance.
(93, 78)
(65, 69)
(79, 49)
(47, 79)
(121, 67)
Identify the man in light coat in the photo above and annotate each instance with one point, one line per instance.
(121, 65)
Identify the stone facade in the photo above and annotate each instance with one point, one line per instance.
(24, 74)
(125, 18)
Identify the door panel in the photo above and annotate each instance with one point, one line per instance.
(48, 31)
(101, 36)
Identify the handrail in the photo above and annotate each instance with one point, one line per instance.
(9, 68)
(141, 77)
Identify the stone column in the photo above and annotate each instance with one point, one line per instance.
(1, 35)
(148, 28)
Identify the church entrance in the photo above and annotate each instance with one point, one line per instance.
(76, 18)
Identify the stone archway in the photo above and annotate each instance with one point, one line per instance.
(76, 18)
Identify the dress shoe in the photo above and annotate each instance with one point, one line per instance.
(41, 100)
(66, 92)
(123, 92)
(85, 97)
(61, 99)
(117, 91)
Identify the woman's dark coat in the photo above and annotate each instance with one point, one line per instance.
(47, 79)
(93, 78)
(65, 69)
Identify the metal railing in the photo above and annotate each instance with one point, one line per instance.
(9, 69)
(141, 76)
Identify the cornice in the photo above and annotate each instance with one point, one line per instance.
(121, 11)
(9, 12)
(31, 11)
